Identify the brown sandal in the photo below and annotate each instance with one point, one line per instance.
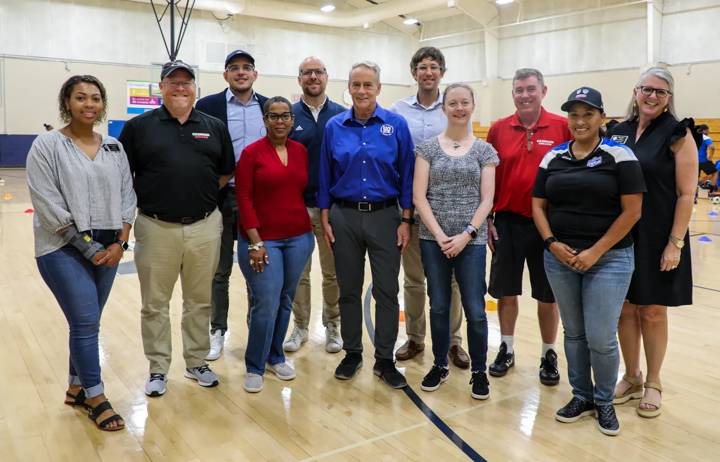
(650, 413)
(635, 391)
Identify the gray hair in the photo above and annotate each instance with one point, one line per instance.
(525, 72)
(367, 65)
(661, 73)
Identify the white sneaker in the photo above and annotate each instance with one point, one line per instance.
(253, 383)
(217, 342)
(283, 371)
(296, 339)
(333, 340)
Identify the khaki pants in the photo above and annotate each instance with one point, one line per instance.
(162, 252)
(330, 292)
(414, 294)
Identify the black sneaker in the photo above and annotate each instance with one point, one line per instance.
(549, 374)
(607, 422)
(385, 369)
(503, 362)
(435, 378)
(348, 366)
(480, 385)
(574, 410)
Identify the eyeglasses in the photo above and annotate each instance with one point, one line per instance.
(424, 68)
(237, 68)
(659, 92)
(274, 116)
(310, 72)
(181, 84)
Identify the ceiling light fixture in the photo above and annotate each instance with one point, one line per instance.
(410, 21)
(327, 8)
(503, 2)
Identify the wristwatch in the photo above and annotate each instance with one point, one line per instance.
(122, 244)
(256, 246)
(470, 229)
(408, 220)
(679, 243)
(548, 242)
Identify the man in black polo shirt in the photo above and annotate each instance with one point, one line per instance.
(180, 158)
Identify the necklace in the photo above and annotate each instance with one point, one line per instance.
(455, 145)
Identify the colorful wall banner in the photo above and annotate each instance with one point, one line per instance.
(142, 96)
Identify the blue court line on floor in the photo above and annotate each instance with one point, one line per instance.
(424, 408)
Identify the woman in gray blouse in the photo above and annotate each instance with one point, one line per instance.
(453, 192)
(81, 189)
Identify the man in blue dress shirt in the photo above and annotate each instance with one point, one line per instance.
(366, 170)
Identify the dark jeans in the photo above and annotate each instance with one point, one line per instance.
(374, 233)
(81, 289)
(469, 269)
(273, 291)
(590, 304)
(221, 280)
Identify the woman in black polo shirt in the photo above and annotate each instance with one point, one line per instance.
(587, 197)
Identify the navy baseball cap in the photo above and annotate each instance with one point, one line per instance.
(170, 67)
(586, 95)
(241, 54)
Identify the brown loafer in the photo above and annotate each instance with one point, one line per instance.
(459, 357)
(409, 350)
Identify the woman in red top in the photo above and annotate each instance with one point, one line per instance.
(276, 239)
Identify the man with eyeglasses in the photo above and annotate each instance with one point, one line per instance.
(521, 140)
(366, 171)
(311, 114)
(240, 108)
(426, 120)
(180, 159)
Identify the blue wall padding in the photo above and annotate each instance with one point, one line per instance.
(14, 149)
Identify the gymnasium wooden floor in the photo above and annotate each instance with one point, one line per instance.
(316, 417)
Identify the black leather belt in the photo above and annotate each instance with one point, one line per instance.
(180, 220)
(367, 206)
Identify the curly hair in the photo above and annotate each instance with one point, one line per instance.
(67, 89)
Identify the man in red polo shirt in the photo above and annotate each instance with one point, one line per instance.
(521, 141)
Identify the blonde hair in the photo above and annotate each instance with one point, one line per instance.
(663, 74)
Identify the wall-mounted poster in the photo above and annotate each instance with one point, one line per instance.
(142, 96)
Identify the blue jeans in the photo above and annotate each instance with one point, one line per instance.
(590, 304)
(469, 269)
(272, 293)
(81, 289)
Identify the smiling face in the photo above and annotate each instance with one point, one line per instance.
(85, 104)
(278, 121)
(527, 96)
(240, 74)
(178, 91)
(313, 77)
(428, 74)
(364, 89)
(584, 122)
(652, 105)
(458, 106)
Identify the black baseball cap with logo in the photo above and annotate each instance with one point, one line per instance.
(239, 54)
(586, 95)
(172, 66)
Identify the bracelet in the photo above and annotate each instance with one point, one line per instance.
(410, 221)
(549, 241)
(256, 246)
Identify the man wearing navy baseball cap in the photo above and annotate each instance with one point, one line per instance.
(240, 108)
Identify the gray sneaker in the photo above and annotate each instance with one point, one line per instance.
(156, 385)
(296, 339)
(283, 371)
(203, 375)
(333, 340)
(253, 383)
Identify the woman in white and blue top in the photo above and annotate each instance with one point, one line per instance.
(586, 199)
(81, 188)
(453, 191)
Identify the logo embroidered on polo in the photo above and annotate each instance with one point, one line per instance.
(111, 147)
(299, 128)
(545, 142)
(201, 136)
(387, 129)
(594, 162)
(622, 139)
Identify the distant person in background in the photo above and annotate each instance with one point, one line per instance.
(48, 127)
(663, 273)
(82, 192)
(706, 154)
